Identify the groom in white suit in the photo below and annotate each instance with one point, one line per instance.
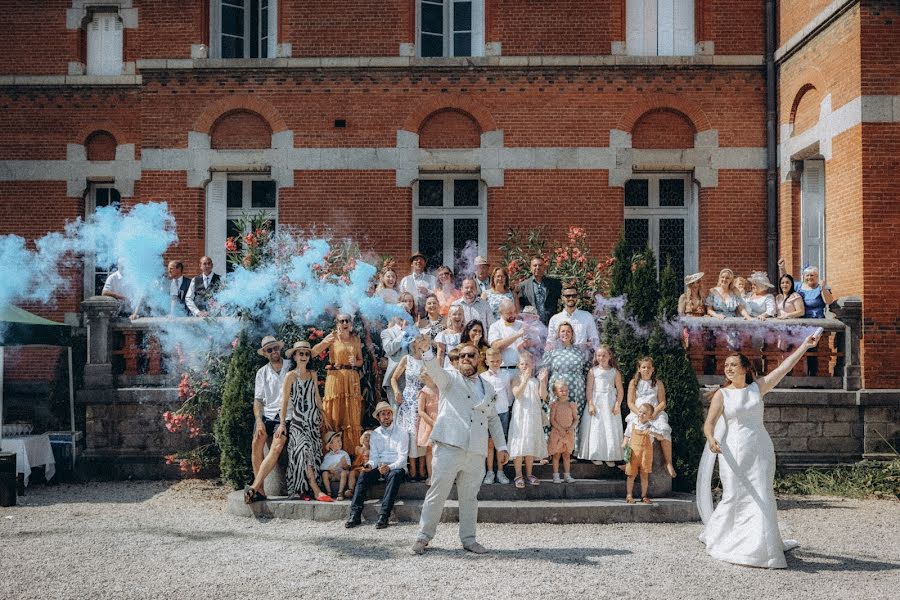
(465, 413)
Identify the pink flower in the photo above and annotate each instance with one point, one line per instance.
(234, 343)
(231, 245)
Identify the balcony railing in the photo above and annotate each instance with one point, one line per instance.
(123, 353)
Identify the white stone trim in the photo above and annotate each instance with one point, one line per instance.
(817, 140)
(405, 61)
(835, 8)
(76, 15)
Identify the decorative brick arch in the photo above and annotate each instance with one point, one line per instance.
(101, 145)
(100, 127)
(651, 102)
(254, 104)
(457, 102)
(804, 89)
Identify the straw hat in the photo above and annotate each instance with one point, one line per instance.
(382, 406)
(297, 346)
(481, 260)
(266, 342)
(689, 279)
(761, 279)
(330, 436)
(416, 255)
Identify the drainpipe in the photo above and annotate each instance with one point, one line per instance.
(771, 146)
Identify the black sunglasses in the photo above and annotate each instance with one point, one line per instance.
(343, 320)
(306, 354)
(570, 295)
(467, 355)
(271, 350)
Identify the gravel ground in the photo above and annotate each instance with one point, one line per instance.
(164, 540)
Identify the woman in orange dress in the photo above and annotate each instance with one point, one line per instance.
(343, 402)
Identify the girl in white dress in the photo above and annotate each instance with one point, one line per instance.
(526, 427)
(601, 432)
(646, 389)
(743, 529)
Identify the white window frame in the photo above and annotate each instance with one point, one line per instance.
(660, 27)
(653, 212)
(105, 33)
(812, 215)
(448, 213)
(89, 261)
(215, 29)
(247, 210)
(449, 28)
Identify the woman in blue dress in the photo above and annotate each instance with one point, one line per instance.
(570, 364)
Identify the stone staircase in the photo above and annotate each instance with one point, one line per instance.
(597, 496)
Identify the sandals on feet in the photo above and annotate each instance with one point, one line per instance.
(520, 482)
(348, 493)
(251, 495)
(629, 499)
(532, 480)
(323, 497)
(645, 500)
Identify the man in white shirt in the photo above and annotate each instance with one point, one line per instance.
(508, 336)
(472, 304)
(114, 287)
(202, 288)
(418, 283)
(267, 401)
(388, 451)
(583, 324)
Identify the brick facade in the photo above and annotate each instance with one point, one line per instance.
(561, 126)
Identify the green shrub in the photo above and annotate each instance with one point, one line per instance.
(643, 289)
(234, 427)
(621, 268)
(866, 479)
(669, 291)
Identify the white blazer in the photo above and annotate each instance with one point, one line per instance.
(460, 421)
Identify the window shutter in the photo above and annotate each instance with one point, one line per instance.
(104, 45)
(665, 35)
(216, 212)
(477, 27)
(812, 203)
(684, 28)
(640, 27)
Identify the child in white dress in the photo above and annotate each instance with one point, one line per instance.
(646, 389)
(601, 432)
(526, 427)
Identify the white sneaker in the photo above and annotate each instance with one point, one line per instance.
(488, 478)
(568, 477)
(502, 478)
(556, 478)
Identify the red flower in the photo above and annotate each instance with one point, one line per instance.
(251, 240)
(231, 245)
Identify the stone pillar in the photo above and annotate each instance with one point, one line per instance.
(98, 311)
(849, 311)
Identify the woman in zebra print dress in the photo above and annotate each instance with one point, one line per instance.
(304, 440)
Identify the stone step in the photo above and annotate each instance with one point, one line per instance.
(547, 490)
(679, 508)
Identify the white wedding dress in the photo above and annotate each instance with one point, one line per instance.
(743, 528)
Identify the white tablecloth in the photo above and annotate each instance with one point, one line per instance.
(31, 451)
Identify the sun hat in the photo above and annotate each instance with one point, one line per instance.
(301, 345)
(481, 260)
(416, 255)
(761, 279)
(382, 406)
(330, 436)
(689, 279)
(266, 342)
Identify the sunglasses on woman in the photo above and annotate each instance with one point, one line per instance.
(343, 320)
(302, 354)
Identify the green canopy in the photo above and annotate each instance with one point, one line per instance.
(19, 327)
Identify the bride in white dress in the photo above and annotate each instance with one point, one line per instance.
(743, 528)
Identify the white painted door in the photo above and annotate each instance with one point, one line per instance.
(812, 210)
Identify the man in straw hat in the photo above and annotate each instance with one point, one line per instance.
(460, 437)
(267, 400)
(388, 450)
(418, 282)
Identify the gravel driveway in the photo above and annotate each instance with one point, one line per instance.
(163, 540)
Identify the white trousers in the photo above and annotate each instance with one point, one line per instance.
(451, 464)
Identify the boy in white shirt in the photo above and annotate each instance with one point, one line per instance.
(335, 464)
(495, 377)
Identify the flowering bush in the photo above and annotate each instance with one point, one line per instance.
(338, 263)
(248, 248)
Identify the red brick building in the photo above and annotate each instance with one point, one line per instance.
(426, 123)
